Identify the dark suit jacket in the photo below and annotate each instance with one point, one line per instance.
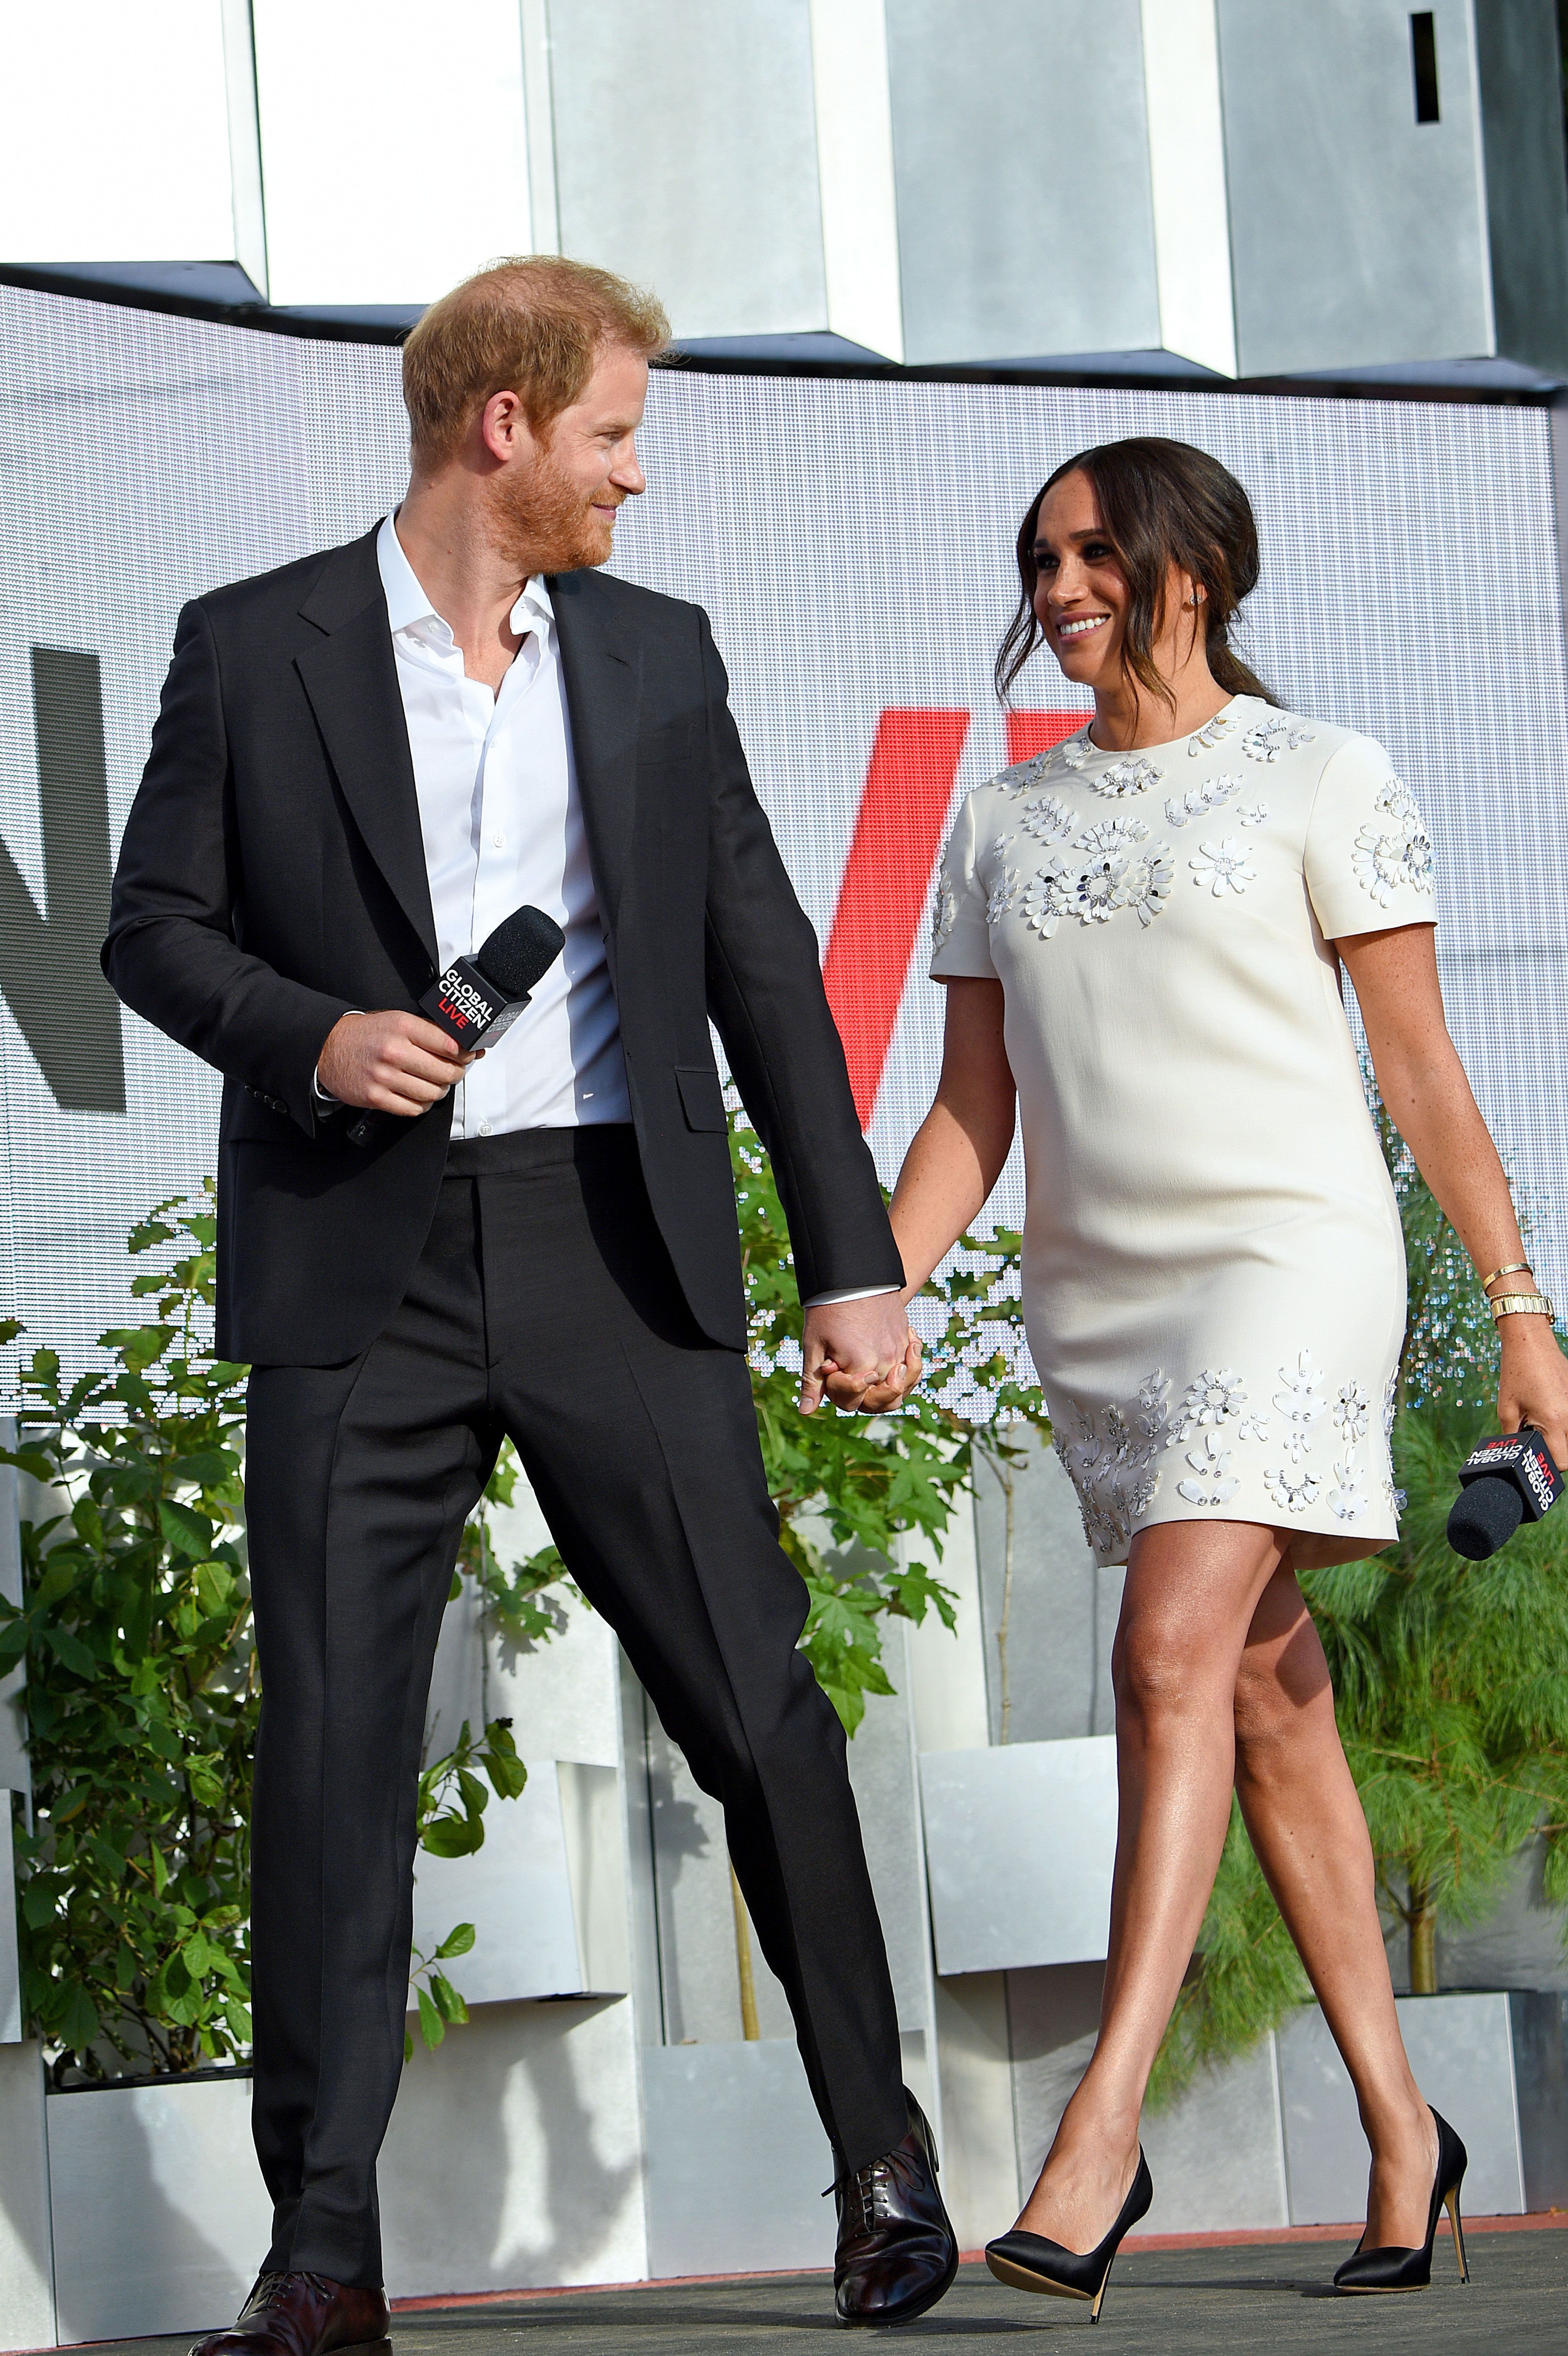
(271, 877)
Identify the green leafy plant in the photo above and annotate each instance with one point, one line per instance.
(143, 1694)
(452, 1802)
(844, 1482)
(1450, 1684)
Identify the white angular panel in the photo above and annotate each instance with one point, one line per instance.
(393, 146)
(855, 171)
(1022, 169)
(26, 2285)
(685, 157)
(1358, 233)
(517, 1892)
(116, 142)
(722, 2121)
(1187, 178)
(160, 2215)
(1461, 2050)
(10, 1971)
(1020, 1842)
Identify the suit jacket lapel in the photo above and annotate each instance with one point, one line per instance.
(351, 679)
(603, 672)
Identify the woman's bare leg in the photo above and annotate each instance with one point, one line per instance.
(1192, 1589)
(1305, 1820)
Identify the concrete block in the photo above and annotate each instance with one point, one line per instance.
(26, 2265)
(514, 2158)
(736, 2160)
(1461, 2050)
(160, 2219)
(1216, 2155)
(1020, 1842)
(518, 1891)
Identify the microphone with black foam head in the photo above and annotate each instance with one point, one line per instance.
(477, 999)
(1505, 1481)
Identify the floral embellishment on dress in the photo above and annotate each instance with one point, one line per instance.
(1345, 1498)
(1111, 1459)
(1112, 834)
(1210, 1398)
(1204, 739)
(1223, 866)
(1198, 801)
(1047, 819)
(1048, 897)
(1291, 1492)
(1252, 1427)
(1253, 813)
(1153, 1408)
(1004, 891)
(1076, 750)
(1390, 1404)
(1397, 850)
(1128, 775)
(1211, 1464)
(944, 915)
(1146, 885)
(1301, 1404)
(1096, 890)
(1269, 738)
(1350, 1411)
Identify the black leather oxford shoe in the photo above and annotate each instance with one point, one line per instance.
(304, 2315)
(896, 2251)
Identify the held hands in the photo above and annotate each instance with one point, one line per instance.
(389, 1062)
(862, 1354)
(1533, 1386)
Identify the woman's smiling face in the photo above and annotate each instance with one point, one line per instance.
(1081, 596)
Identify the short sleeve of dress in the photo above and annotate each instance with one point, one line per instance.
(1369, 858)
(961, 936)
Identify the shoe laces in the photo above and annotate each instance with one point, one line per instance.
(867, 2192)
(270, 2288)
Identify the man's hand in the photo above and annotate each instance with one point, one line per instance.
(861, 1353)
(389, 1062)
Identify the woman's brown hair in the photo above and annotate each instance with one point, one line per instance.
(1162, 503)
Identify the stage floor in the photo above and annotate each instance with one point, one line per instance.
(1258, 2296)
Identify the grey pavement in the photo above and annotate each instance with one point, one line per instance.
(1260, 2297)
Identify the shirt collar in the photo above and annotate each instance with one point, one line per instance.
(407, 604)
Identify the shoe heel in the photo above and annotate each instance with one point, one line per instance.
(1451, 2202)
(1098, 2300)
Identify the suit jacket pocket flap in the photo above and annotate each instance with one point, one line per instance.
(702, 1096)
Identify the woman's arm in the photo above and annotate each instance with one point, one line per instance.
(1428, 1097)
(957, 1150)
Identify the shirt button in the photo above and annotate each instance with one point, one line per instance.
(484, 1128)
(499, 841)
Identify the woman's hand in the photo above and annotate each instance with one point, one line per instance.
(1532, 1386)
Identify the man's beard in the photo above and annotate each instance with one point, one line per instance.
(543, 522)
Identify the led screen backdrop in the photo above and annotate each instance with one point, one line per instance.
(852, 540)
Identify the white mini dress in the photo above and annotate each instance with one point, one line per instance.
(1213, 1272)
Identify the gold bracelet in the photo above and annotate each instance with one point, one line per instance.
(1521, 1305)
(1509, 1268)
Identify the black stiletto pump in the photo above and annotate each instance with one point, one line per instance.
(1397, 2269)
(1030, 2262)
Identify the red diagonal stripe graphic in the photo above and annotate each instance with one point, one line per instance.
(1029, 732)
(887, 877)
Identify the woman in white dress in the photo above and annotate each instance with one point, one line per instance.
(1141, 933)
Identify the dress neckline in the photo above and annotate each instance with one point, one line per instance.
(1213, 731)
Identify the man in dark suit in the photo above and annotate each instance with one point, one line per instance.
(361, 764)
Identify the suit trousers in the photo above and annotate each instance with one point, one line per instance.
(544, 1308)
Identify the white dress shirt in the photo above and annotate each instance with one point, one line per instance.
(502, 824)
